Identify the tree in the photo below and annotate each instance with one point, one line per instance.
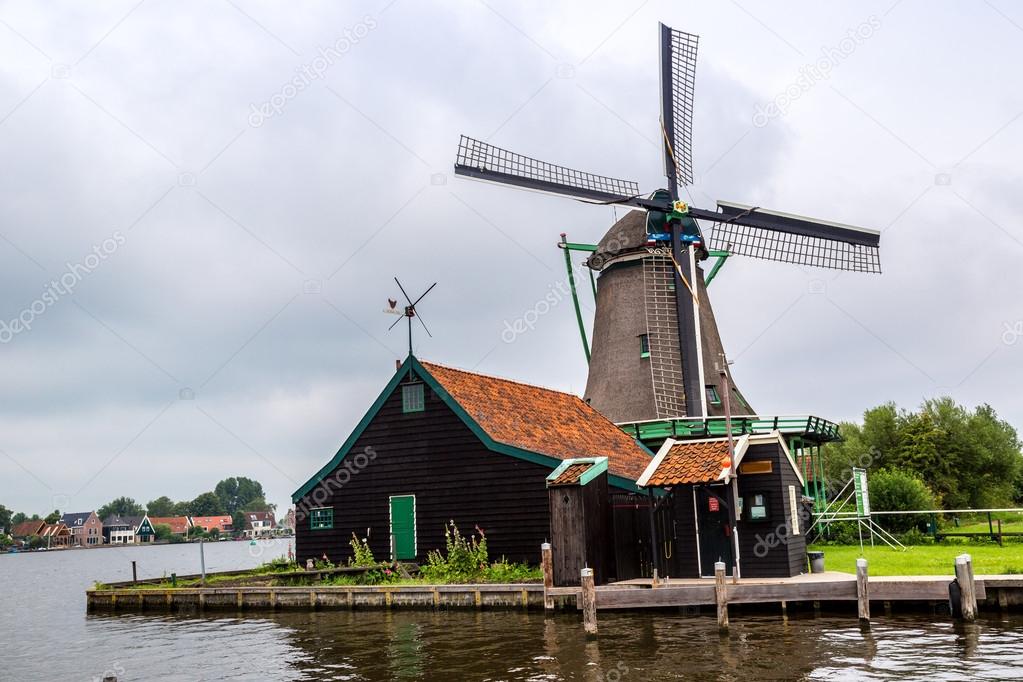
(121, 506)
(161, 506)
(5, 519)
(214, 533)
(20, 517)
(206, 504)
(898, 490)
(181, 509)
(53, 517)
(163, 532)
(967, 459)
(236, 493)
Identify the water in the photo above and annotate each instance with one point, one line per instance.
(46, 635)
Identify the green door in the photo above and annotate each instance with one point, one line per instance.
(403, 527)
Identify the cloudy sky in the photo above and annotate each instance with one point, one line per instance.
(203, 205)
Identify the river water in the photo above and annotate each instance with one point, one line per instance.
(45, 634)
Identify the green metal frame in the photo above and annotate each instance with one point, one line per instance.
(568, 248)
(653, 433)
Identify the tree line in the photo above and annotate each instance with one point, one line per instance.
(940, 456)
(230, 497)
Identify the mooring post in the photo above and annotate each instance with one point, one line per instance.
(721, 594)
(967, 588)
(202, 562)
(547, 565)
(862, 592)
(588, 595)
(134, 573)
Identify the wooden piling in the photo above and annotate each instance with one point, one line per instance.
(134, 573)
(862, 592)
(547, 565)
(967, 587)
(588, 596)
(721, 595)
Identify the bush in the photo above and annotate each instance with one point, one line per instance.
(362, 555)
(464, 560)
(899, 490)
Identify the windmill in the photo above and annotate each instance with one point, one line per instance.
(408, 312)
(652, 307)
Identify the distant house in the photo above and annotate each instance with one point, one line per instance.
(179, 525)
(27, 529)
(121, 530)
(53, 535)
(144, 531)
(288, 522)
(208, 523)
(86, 528)
(259, 524)
(56, 535)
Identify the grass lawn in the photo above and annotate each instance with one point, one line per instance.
(925, 559)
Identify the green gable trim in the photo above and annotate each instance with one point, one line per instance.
(598, 465)
(413, 365)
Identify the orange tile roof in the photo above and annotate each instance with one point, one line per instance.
(207, 522)
(570, 476)
(28, 528)
(178, 524)
(541, 420)
(690, 462)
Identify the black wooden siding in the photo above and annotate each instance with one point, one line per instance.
(783, 554)
(434, 456)
(580, 532)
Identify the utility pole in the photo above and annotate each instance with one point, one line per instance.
(723, 371)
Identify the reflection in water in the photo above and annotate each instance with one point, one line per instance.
(41, 598)
(498, 645)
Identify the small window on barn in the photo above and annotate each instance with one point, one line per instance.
(644, 346)
(712, 395)
(757, 506)
(412, 398)
(321, 519)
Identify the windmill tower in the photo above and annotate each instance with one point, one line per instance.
(635, 371)
(656, 349)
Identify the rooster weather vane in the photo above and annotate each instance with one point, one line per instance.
(408, 312)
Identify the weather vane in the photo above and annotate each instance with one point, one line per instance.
(409, 312)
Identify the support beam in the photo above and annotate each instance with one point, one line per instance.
(547, 565)
(967, 587)
(588, 597)
(575, 297)
(721, 595)
(862, 592)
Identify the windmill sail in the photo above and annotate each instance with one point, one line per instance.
(483, 161)
(678, 80)
(773, 235)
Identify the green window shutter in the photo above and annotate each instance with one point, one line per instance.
(321, 519)
(644, 346)
(712, 395)
(413, 398)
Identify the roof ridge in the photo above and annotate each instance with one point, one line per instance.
(510, 381)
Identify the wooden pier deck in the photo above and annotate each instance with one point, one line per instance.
(812, 587)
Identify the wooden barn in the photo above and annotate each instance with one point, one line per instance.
(710, 503)
(442, 444)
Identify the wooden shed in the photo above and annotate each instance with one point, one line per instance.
(580, 520)
(441, 444)
(747, 511)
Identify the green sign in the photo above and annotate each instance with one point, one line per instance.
(862, 496)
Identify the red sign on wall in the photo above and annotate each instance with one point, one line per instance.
(713, 504)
